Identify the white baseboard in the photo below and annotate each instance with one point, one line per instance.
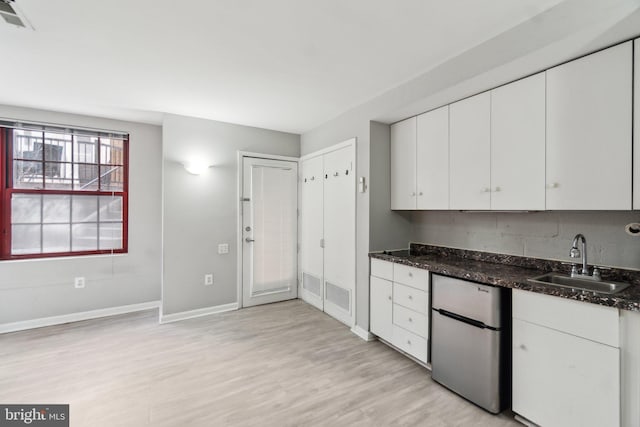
(75, 317)
(183, 315)
(365, 335)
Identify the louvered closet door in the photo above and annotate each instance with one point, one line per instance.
(311, 229)
(339, 234)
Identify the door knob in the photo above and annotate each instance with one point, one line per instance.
(249, 240)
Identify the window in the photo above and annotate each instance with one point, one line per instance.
(64, 191)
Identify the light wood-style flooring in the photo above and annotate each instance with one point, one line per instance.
(284, 364)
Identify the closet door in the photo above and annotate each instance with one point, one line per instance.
(339, 234)
(311, 231)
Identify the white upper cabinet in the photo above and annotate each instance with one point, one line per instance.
(636, 132)
(518, 145)
(432, 157)
(469, 148)
(589, 124)
(403, 164)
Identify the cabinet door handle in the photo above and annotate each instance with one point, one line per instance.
(410, 274)
(410, 297)
(410, 319)
(420, 193)
(409, 342)
(553, 185)
(389, 297)
(486, 190)
(497, 189)
(413, 194)
(523, 347)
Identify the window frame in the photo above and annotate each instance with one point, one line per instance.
(7, 190)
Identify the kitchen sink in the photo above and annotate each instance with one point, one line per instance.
(603, 286)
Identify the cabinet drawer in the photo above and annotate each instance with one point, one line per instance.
(411, 276)
(382, 269)
(410, 343)
(594, 322)
(409, 297)
(410, 320)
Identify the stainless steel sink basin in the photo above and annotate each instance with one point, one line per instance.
(604, 286)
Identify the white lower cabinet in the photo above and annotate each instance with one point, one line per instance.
(381, 308)
(560, 378)
(399, 311)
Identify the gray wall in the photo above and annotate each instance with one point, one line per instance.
(387, 229)
(200, 212)
(538, 235)
(31, 289)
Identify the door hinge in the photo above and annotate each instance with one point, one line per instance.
(322, 243)
(298, 248)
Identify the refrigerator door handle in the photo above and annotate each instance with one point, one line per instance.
(463, 319)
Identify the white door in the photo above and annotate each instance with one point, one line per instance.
(340, 234)
(563, 380)
(518, 144)
(470, 151)
(381, 308)
(589, 132)
(432, 157)
(403, 164)
(311, 231)
(269, 231)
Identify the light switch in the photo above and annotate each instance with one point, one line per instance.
(223, 248)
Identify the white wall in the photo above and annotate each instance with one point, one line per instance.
(32, 289)
(200, 212)
(539, 235)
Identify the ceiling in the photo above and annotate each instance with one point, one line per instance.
(288, 65)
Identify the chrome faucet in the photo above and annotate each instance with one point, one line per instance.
(576, 253)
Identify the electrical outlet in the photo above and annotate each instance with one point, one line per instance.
(78, 282)
(223, 248)
(208, 279)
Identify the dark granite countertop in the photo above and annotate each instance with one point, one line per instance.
(512, 272)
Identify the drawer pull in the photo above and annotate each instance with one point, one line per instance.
(410, 297)
(389, 297)
(410, 274)
(409, 342)
(410, 319)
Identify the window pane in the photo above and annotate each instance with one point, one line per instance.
(55, 238)
(27, 174)
(57, 176)
(25, 239)
(27, 144)
(56, 209)
(85, 149)
(110, 208)
(25, 208)
(57, 147)
(112, 178)
(86, 177)
(111, 151)
(84, 237)
(111, 235)
(85, 209)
